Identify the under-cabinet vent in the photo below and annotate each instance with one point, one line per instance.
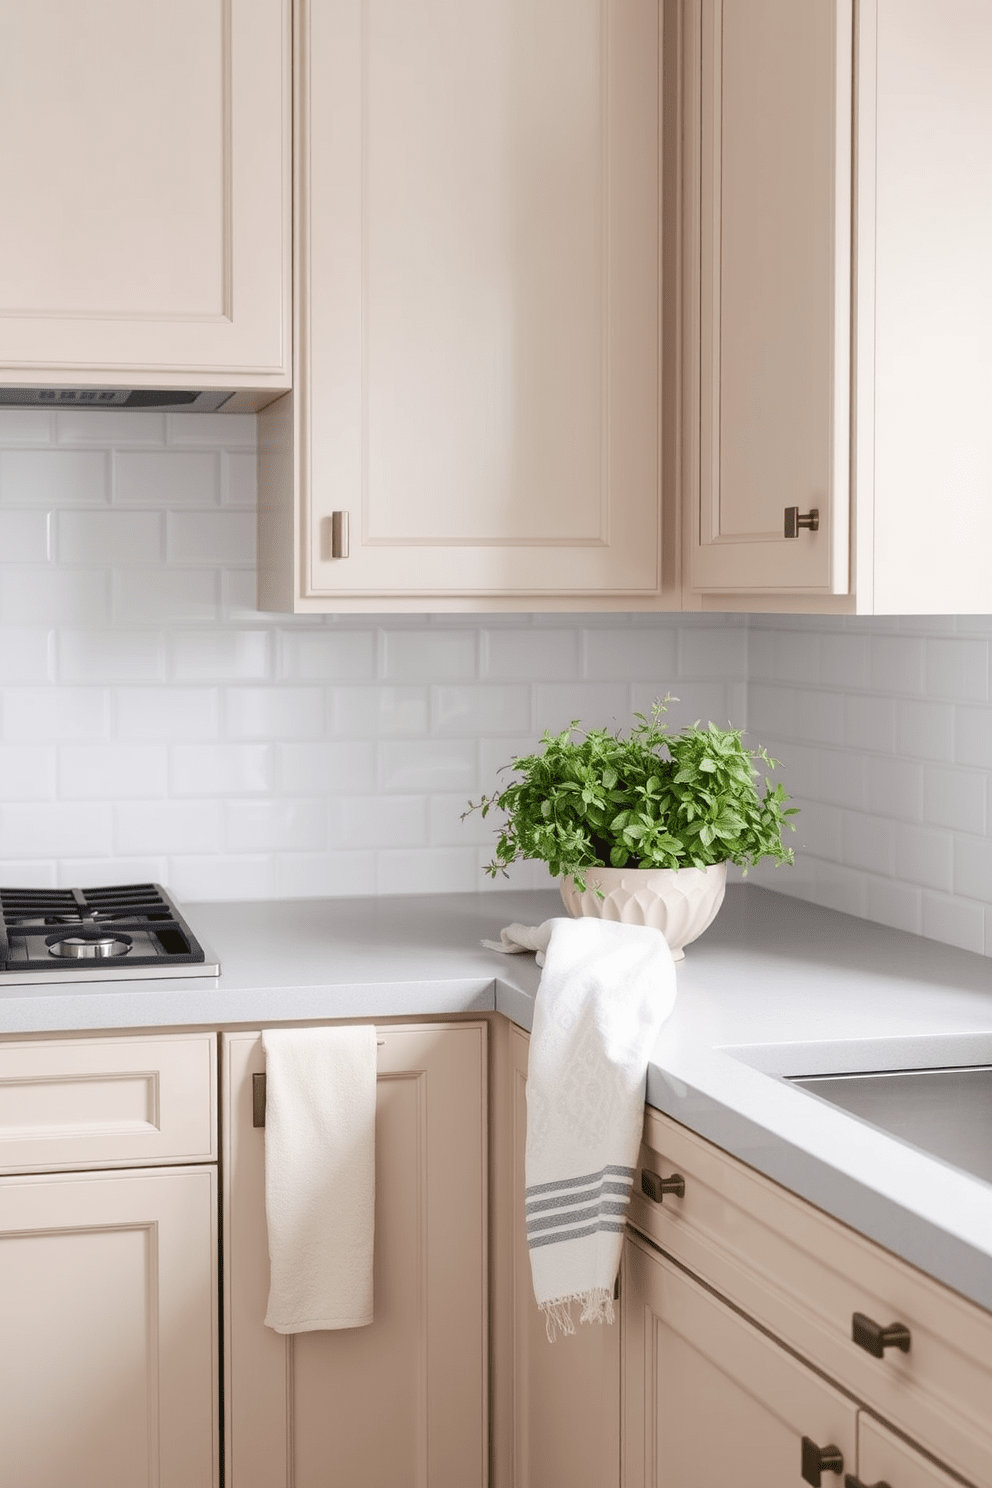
(92, 397)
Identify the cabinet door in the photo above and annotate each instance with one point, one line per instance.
(479, 273)
(556, 1407)
(145, 159)
(774, 224)
(108, 1316)
(708, 1398)
(404, 1401)
(882, 1457)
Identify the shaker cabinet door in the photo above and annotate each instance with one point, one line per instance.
(145, 161)
(108, 1319)
(771, 161)
(402, 1402)
(479, 279)
(707, 1397)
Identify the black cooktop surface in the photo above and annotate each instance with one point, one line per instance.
(88, 931)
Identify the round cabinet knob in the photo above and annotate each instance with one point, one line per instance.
(656, 1187)
(817, 1460)
(875, 1339)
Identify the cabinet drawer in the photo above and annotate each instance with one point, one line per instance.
(803, 1275)
(107, 1102)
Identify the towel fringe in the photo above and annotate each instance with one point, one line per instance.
(596, 1304)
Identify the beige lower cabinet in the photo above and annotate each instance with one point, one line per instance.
(108, 1277)
(739, 1321)
(556, 1406)
(709, 1399)
(402, 1403)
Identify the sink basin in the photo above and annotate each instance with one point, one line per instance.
(946, 1112)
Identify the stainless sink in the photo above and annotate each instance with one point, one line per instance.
(946, 1112)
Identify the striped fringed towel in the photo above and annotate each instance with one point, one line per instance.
(605, 991)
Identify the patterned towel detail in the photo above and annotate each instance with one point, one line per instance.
(574, 1207)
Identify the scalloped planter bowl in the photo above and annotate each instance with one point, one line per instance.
(680, 902)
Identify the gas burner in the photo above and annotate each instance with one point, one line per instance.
(128, 930)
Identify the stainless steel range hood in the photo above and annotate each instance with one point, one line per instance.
(154, 399)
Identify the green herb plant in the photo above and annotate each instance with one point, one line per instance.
(605, 800)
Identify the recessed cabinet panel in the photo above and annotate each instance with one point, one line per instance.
(144, 153)
(883, 1457)
(709, 1399)
(774, 224)
(481, 296)
(108, 1371)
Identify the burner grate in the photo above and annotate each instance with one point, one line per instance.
(34, 921)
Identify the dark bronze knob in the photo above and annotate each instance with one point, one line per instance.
(817, 1460)
(656, 1187)
(875, 1339)
(794, 519)
(850, 1481)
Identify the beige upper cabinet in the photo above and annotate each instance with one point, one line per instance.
(842, 233)
(478, 383)
(145, 161)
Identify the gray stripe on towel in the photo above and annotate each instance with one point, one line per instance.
(580, 1182)
(608, 1186)
(555, 1221)
(604, 1224)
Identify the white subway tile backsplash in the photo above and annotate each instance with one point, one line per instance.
(26, 655)
(530, 655)
(25, 536)
(110, 656)
(428, 764)
(164, 827)
(475, 710)
(166, 479)
(42, 829)
(108, 538)
(53, 596)
(327, 655)
(155, 725)
(957, 668)
(58, 476)
(955, 798)
(211, 770)
(33, 426)
(111, 772)
(165, 596)
(433, 655)
(338, 767)
(27, 772)
(239, 479)
(276, 825)
(211, 537)
(274, 712)
(371, 712)
(53, 715)
(170, 713)
(114, 427)
(221, 655)
(638, 655)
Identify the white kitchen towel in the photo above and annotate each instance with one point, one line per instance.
(320, 1176)
(605, 992)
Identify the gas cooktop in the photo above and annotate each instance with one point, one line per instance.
(124, 932)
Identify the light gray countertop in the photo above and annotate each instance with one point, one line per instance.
(775, 987)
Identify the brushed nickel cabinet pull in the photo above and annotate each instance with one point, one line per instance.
(339, 534)
(258, 1095)
(875, 1339)
(817, 1460)
(794, 519)
(656, 1187)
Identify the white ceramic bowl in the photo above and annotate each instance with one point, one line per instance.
(680, 902)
